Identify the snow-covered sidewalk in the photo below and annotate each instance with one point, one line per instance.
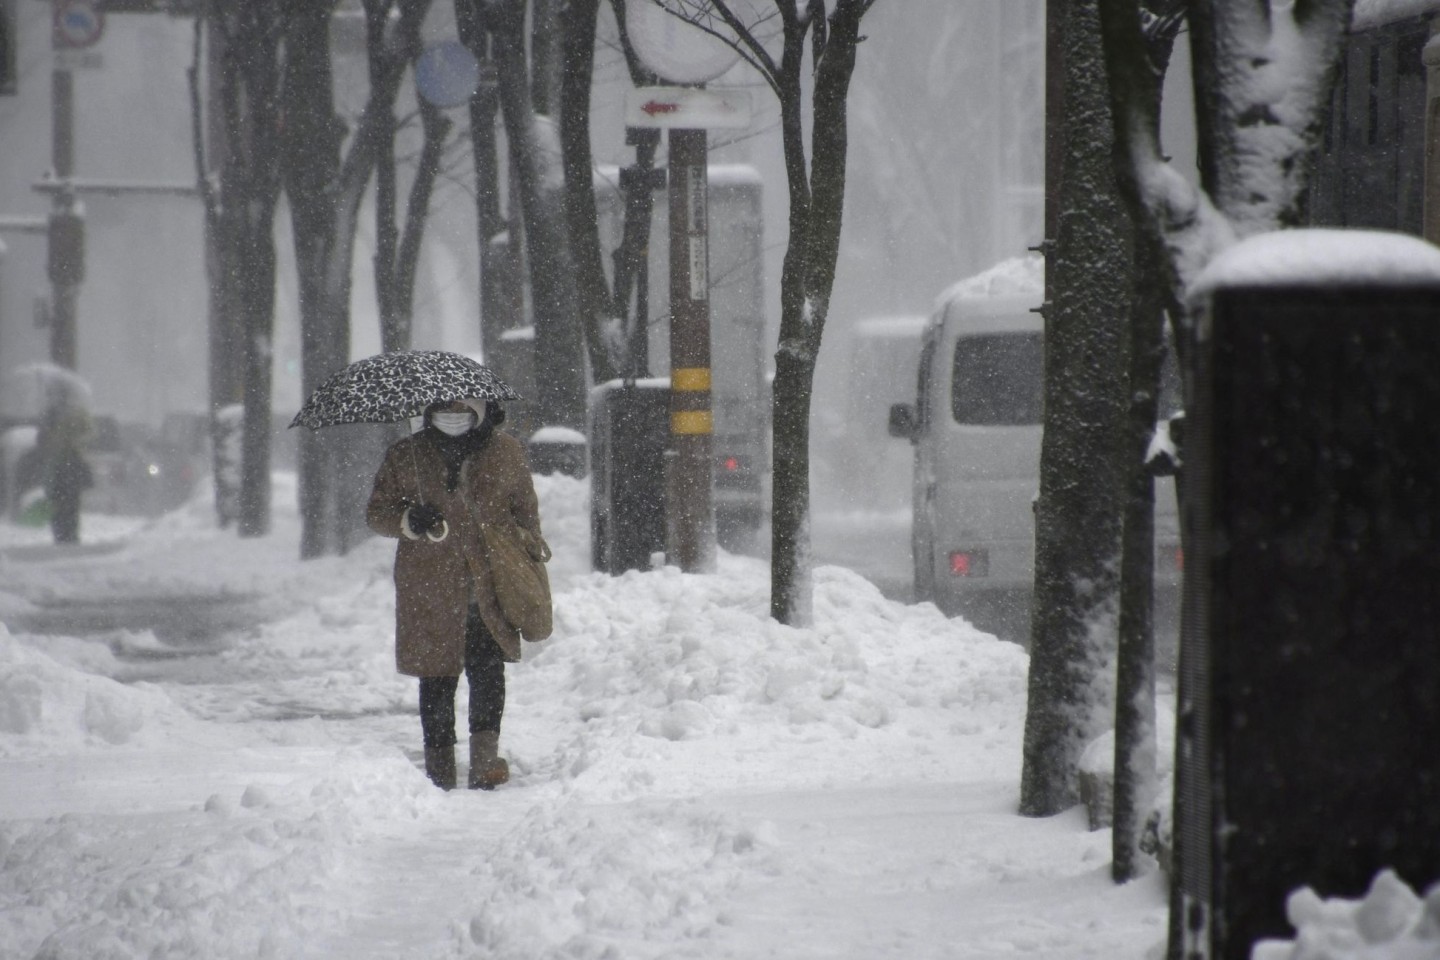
(690, 779)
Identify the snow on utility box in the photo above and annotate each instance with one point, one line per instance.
(1310, 644)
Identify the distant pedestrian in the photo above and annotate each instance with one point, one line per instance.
(67, 475)
(433, 492)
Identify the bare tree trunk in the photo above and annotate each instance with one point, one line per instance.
(1079, 513)
(578, 22)
(311, 157)
(1135, 741)
(436, 128)
(243, 218)
(496, 315)
(225, 334)
(387, 234)
(547, 52)
(397, 257)
(257, 290)
(560, 374)
(816, 208)
(1134, 783)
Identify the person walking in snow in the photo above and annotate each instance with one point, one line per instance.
(66, 473)
(432, 492)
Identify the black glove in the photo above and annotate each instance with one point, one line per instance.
(424, 518)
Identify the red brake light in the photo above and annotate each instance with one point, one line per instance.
(732, 464)
(970, 563)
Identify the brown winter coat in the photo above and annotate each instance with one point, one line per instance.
(435, 582)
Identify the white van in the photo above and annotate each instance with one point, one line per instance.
(976, 429)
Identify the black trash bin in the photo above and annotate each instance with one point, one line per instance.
(629, 431)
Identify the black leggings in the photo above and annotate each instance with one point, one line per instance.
(485, 669)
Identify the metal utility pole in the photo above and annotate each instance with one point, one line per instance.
(684, 54)
(76, 27)
(65, 260)
(690, 537)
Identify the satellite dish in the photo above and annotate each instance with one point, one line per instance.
(447, 74)
(680, 52)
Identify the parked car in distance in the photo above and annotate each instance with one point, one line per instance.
(976, 428)
(145, 471)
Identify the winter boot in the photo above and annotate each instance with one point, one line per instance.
(440, 766)
(487, 768)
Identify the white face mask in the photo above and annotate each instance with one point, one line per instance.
(453, 424)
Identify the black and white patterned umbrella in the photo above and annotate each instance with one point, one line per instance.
(389, 387)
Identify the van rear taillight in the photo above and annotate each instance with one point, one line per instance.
(970, 563)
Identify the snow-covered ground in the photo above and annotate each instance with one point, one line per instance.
(690, 779)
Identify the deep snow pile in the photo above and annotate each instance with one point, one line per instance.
(1389, 923)
(689, 777)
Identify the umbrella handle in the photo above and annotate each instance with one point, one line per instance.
(415, 464)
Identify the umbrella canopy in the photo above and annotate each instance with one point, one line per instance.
(30, 389)
(390, 387)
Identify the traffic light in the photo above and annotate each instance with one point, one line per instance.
(8, 29)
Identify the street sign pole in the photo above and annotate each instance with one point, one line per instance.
(77, 24)
(690, 510)
(687, 56)
(687, 113)
(64, 266)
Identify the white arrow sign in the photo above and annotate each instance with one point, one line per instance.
(687, 108)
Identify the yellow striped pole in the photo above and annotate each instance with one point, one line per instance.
(690, 511)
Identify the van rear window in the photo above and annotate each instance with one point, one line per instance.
(998, 379)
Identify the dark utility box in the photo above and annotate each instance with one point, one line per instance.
(629, 431)
(1309, 730)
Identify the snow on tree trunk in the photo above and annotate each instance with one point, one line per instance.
(1078, 517)
(1263, 75)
